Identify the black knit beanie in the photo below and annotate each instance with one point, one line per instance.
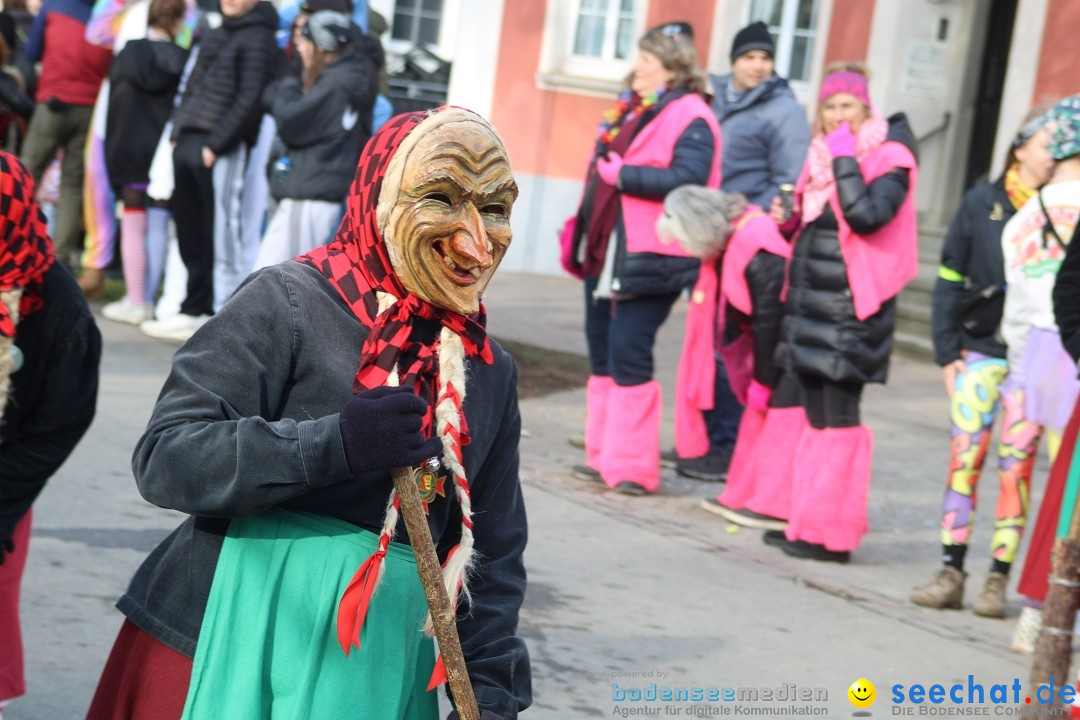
(754, 36)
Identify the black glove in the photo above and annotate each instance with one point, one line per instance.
(7, 545)
(380, 429)
(484, 715)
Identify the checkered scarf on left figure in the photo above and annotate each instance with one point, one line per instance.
(26, 251)
(357, 264)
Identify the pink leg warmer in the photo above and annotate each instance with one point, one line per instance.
(763, 462)
(631, 448)
(597, 394)
(831, 487)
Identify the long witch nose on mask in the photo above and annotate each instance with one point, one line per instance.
(469, 240)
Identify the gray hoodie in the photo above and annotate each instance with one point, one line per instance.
(766, 135)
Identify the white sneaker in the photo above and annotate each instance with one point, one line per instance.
(128, 312)
(179, 327)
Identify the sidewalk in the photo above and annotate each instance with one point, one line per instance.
(616, 584)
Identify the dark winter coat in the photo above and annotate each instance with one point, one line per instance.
(766, 136)
(971, 260)
(691, 162)
(765, 279)
(821, 335)
(142, 87)
(248, 420)
(323, 130)
(53, 396)
(1067, 298)
(223, 96)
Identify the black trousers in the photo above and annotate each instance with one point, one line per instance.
(621, 334)
(830, 404)
(193, 211)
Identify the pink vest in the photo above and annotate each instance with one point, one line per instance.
(694, 386)
(654, 146)
(880, 264)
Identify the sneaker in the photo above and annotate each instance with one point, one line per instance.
(812, 551)
(1028, 627)
(710, 468)
(944, 592)
(774, 538)
(745, 517)
(128, 312)
(991, 601)
(584, 472)
(179, 327)
(576, 441)
(669, 458)
(631, 488)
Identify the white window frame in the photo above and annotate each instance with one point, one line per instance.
(448, 22)
(561, 69)
(786, 37)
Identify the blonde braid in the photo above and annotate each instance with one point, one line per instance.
(448, 412)
(11, 299)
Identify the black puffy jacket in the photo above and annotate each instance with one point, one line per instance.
(821, 335)
(323, 130)
(765, 279)
(971, 260)
(223, 96)
(1067, 298)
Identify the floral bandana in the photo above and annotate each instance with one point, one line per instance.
(1063, 122)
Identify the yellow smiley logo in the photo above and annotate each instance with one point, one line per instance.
(862, 693)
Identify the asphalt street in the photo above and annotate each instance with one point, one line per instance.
(626, 595)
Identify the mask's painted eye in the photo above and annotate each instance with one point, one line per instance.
(441, 198)
(494, 209)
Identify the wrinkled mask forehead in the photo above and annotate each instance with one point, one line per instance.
(444, 209)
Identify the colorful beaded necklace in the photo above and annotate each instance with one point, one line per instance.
(629, 106)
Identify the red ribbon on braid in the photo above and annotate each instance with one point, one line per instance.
(357, 265)
(26, 251)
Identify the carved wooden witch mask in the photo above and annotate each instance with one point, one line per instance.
(444, 209)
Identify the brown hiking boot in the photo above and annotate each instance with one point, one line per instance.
(92, 283)
(946, 591)
(991, 601)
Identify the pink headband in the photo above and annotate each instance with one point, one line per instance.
(845, 81)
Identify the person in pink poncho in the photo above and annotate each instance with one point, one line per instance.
(735, 310)
(855, 247)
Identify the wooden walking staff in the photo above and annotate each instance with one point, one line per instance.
(1053, 649)
(443, 617)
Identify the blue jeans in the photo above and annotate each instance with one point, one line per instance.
(621, 334)
(722, 421)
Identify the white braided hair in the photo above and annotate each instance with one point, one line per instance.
(10, 299)
(451, 353)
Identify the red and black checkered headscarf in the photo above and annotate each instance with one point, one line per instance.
(357, 264)
(26, 251)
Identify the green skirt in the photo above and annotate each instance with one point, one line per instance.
(268, 644)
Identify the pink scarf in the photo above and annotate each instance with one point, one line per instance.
(820, 183)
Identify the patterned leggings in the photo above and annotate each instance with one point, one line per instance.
(976, 397)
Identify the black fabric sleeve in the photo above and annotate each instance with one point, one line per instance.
(949, 287)
(53, 427)
(152, 69)
(868, 208)
(496, 658)
(224, 397)
(14, 98)
(691, 162)
(1067, 298)
(252, 75)
(765, 278)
